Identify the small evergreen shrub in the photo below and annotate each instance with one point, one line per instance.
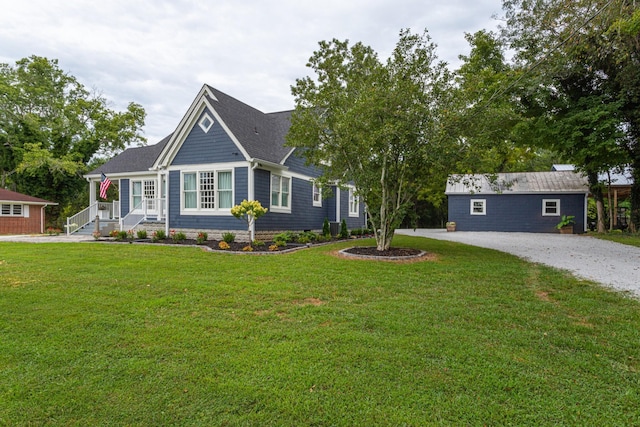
(326, 229)
(344, 232)
(228, 237)
(142, 234)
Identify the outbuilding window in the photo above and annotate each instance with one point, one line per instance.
(478, 206)
(551, 207)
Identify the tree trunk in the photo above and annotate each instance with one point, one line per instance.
(634, 224)
(596, 191)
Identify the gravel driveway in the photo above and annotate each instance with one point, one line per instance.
(611, 264)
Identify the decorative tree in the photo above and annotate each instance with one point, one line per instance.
(374, 125)
(250, 211)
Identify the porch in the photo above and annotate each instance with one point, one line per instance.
(108, 213)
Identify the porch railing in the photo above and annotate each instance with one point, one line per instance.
(104, 210)
(145, 210)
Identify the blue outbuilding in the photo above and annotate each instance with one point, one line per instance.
(531, 202)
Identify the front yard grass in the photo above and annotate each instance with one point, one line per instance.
(103, 334)
(625, 238)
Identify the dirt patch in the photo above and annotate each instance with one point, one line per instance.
(310, 301)
(544, 296)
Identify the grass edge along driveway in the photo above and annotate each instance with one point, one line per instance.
(96, 334)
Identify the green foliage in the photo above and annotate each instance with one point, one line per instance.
(581, 96)
(202, 237)
(53, 127)
(158, 235)
(344, 232)
(229, 237)
(565, 221)
(141, 234)
(326, 229)
(374, 125)
(178, 236)
(250, 211)
(285, 237)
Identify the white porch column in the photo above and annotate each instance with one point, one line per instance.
(338, 204)
(92, 192)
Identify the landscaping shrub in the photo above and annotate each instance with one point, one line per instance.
(344, 232)
(229, 237)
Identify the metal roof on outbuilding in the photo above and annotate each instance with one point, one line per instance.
(518, 183)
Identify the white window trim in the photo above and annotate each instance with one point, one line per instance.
(353, 201)
(544, 207)
(12, 207)
(484, 206)
(210, 212)
(202, 125)
(143, 181)
(314, 187)
(280, 209)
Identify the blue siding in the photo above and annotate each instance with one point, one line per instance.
(214, 146)
(352, 222)
(515, 212)
(303, 216)
(296, 163)
(206, 222)
(124, 197)
(241, 185)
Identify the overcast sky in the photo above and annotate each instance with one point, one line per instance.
(160, 53)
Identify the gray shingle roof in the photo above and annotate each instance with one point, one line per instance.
(262, 135)
(519, 183)
(137, 159)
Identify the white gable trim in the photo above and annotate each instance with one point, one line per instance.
(288, 155)
(191, 118)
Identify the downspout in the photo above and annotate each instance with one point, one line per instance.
(337, 204)
(42, 219)
(166, 195)
(251, 196)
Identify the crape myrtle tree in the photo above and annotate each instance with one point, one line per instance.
(52, 127)
(372, 124)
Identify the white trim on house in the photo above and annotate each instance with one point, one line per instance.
(354, 203)
(279, 208)
(547, 207)
(187, 123)
(199, 210)
(478, 203)
(316, 194)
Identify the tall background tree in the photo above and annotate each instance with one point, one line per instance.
(581, 86)
(376, 125)
(52, 128)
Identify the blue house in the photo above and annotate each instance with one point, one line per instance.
(529, 202)
(222, 152)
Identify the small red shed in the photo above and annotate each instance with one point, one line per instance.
(21, 214)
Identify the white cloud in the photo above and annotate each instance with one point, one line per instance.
(159, 53)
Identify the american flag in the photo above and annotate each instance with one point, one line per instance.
(104, 185)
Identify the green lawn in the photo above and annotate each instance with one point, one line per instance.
(632, 239)
(107, 334)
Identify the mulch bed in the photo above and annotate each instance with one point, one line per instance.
(391, 252)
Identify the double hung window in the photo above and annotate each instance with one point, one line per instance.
(207, 190)
(280, 192)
